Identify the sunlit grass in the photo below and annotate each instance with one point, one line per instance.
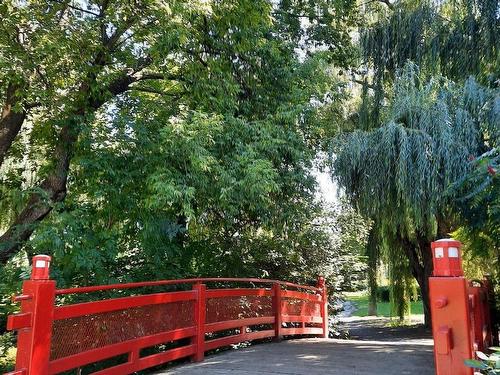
(360, 299)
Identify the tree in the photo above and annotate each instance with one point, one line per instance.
(400, 172)
(454, 39)
(66, 67)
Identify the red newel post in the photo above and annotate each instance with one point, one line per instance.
(321, 284)
(199, 316)
(450, 310)
(277, 311)
(34, 322)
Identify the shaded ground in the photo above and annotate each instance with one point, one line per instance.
(375, 347)
(317, 356)
(380, 329)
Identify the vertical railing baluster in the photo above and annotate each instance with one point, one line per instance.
(199, 316)
(277, 311)
(324, 306)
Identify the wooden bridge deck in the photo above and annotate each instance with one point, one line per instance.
(319, 356)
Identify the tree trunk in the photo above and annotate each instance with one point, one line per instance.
(39, 205)
(420, 258)
(52, 189)
(11, 120)
(373, 256)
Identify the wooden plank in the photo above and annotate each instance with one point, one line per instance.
(105, 352)
(87, 308)
(19, 321)
(301, 319)
(149, 361)
(301, 295)
(229, 324)
(249, 336)
(302, 331)
(239, 292)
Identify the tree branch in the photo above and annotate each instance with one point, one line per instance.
(52, 189)
(67, 4)
(11, 120)
(151, 90)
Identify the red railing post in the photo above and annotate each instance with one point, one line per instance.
(277, 311)
(34, 322)
(199, 317)
(321, 284)
(450, 310)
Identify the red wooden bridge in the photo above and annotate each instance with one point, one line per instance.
(124, 328)
(122, 335)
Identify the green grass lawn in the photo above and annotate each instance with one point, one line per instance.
(383, 308)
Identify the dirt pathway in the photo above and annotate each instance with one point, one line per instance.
(317, 357)
(381, 329)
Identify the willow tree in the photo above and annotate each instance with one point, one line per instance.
(400, 172)
(454, 39)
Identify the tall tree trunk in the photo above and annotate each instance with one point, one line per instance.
(11, 119)
(52, 189)
(40, 204)
(420, 258)
(373, 257)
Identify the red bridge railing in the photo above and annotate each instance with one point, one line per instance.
(127, 334)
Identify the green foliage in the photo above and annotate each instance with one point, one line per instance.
(195, 130)
(487, 364)
(400, 173)
(431, 130)
(8, 352)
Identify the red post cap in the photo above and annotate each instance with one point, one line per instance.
(321, 282)
(40, 267)
(447, 258)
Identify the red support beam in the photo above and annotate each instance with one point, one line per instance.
(324, 306)
(33, 342)
(199, 318)
(277, 311)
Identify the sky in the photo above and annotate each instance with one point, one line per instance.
(327, 188)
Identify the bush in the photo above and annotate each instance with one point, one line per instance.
(7, 352)
(383, 294)
(415, 293)
(488, 364)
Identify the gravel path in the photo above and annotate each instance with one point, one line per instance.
(317, 357)
(380, 329)
(375, 348)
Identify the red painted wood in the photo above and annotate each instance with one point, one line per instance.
(200, 312)
(301, 295)
(301, 319)
(302, 331)
(149, 361)
(324, 306)
(230, 324)
(33, 343)
(98, 288)
(80, 309)
(99, 354)
(450, 313)
(277, 311)
(34, 323)
(17, 372)
(220, 293)
(249, 336)
(18, 321)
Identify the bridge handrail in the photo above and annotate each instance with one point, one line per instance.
(98, 288)
(152, 328)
